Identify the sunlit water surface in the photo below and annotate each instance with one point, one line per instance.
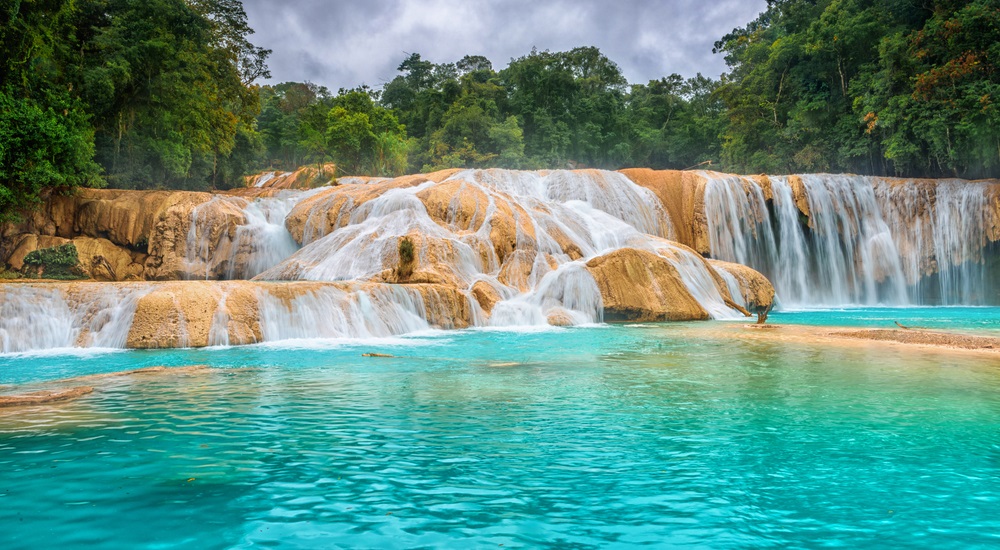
(660, 435)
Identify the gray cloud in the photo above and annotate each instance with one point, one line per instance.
(344, 43)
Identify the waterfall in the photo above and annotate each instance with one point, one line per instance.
(235, 238)
(865, 241)
(47, 317)
(526, 233)
(331, 312)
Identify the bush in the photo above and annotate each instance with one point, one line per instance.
(406, 250)
(406, 258)
(58, 262)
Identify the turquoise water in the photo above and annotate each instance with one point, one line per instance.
(601, 437)
(966, 319)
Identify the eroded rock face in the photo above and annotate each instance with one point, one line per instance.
(149, 227)
(307, 177)
(756, 293)
(640, 286)
(100, 259)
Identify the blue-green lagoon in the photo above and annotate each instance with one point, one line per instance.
(591, 437)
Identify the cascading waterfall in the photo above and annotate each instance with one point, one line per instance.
(867, 240)
(942, 228)
(257, 242)
(335, 313)
(36, 318)
(591, 213)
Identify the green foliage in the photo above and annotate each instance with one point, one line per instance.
(154, 93)
(41, 150)
(160, 93)
(363, 137)
(58, 262)
(406, 258)
(879, 87)
(406, 250)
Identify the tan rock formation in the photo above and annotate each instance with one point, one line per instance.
(175, 315)
(682, 194)
(306, 177)
(486, 295)
(757, 291)
(331, 209)
(102, 260)
(637, 285)
(22, 245)
(171, 257)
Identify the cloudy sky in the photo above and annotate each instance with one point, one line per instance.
(343, 43)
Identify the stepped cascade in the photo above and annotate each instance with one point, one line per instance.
(295, 255)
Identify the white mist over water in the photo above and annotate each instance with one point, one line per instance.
(868, 241)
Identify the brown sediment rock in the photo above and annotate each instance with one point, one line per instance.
(559, 318)
(216, 220)
(683, 196)
(757, 291)
(100, 259)
(445, 307)
(43, 397)
(306, 177)
(149, 227)
(637, 285)
(22, 245)
(175, 315)
(331, 209)
(456, 205)
(139, 372)
(799, 194)
(486, 295)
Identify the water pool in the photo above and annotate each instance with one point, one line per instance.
(619, 436)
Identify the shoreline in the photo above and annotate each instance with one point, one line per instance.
(941, 341)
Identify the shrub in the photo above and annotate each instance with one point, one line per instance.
(405, 250)
(58, 262)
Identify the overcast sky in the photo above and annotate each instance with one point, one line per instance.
(344, 43)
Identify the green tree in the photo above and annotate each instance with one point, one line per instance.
(364, 137)
(46, 141)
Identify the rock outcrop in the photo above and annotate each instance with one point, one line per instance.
(756, 293)
(640, 286)
(306, 177)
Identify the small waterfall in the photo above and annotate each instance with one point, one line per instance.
(218, 334)
(568, 295)
(53, 316)
(700, 283)
(233, 238)
(331, 312)
(941, 226)
(263, 241)
(868, 240)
